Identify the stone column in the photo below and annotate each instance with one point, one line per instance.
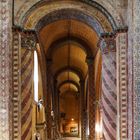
(28, 42)
(49, 100)
(59, 118)
(56, 102)
(109, 93)
(83, 111)
(92, 98)
(56, 109)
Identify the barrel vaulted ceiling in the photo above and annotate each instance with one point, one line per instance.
(65, 40)
(59, 29)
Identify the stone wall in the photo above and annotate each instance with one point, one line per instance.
(5, 68)
(134, 58)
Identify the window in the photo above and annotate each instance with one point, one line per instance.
(35, 76)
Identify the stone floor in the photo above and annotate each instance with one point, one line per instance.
(71, 138)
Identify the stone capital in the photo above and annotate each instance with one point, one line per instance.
(121, 30)
(28, 41)
(107, 42)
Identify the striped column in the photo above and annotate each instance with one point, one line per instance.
(92, 98)
(26, 85)
(83, 111)
(49, 101)
(109, 96)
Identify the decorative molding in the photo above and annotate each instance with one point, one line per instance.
(28, 42)
(115, 17)
(28, 37)
(70, 14)
(98, 11)
(16, 66)
(122, 84)
(103, 10)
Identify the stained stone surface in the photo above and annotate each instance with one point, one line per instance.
(136, 61)
(130, 67)
(5, 69)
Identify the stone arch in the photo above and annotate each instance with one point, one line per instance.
(91, 9)
(69, 81)
(72, 69)
(70, 14)
(101, 5)
(108, 19)
(58, 43)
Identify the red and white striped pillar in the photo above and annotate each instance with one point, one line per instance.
(109, 93)
(28, 44)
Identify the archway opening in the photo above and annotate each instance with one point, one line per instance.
(71, 64)
(69, 45)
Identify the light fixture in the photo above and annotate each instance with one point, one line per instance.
(72, 119)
